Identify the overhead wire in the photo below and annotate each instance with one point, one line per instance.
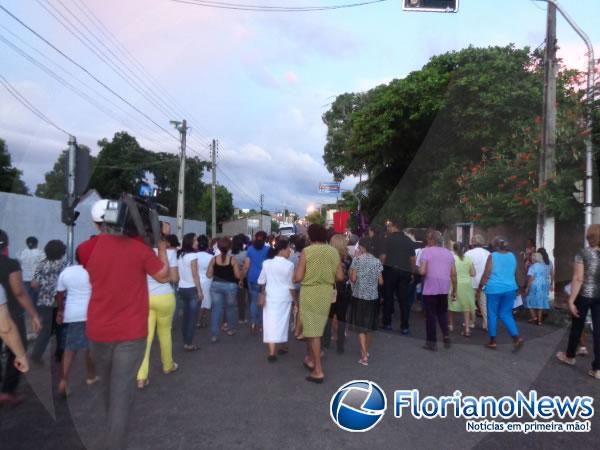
(84, 39)
(34, 61)
(106, 32)
(268, 8)
(122, 49)
(88, 72)
(27, 104)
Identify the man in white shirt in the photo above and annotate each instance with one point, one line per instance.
(29, 258)
(479, 256)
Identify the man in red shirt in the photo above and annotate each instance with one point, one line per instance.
(117, 322)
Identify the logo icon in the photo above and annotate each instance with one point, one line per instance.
(358, 406)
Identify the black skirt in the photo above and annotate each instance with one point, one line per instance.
(364, 314)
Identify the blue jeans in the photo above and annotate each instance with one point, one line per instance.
(501, 305)
(189, 298)
(255, 310)
(223, 295)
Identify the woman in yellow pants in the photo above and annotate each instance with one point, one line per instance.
(160, 319)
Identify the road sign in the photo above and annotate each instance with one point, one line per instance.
(331, 187)
(431, 5)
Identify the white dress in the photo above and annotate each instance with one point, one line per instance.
(277, 274)
(204, 259)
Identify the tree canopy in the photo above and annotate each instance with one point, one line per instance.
(10, 176)
(436, 144)
(53, 186)
(224, 201)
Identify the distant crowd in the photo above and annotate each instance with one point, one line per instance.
(119, 293)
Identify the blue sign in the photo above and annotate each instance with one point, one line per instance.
(331, 187)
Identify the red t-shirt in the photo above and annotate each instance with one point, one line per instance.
(118, 308)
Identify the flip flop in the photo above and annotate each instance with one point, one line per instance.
(562, 357)
(315, 380)
(594, 374)
(518, 345)
(173, 368)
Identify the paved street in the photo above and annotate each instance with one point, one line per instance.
(228, 396)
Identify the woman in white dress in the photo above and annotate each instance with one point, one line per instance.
(204, 258)
(275, 281)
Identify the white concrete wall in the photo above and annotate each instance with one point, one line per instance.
(22, 216)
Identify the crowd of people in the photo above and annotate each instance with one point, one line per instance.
(314, 286)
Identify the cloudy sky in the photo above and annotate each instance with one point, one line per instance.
(258, 82)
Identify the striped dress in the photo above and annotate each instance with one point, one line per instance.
(317, 288)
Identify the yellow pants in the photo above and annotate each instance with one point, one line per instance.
(162, 308)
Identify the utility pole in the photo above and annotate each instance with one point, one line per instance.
(213, 230)
(262, 200)
(182, 128)
(545, 233)
(72, 155)
(589, 145)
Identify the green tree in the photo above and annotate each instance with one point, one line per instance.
(165, 168)
(274, 226)
(121, 165)
(415, 136)
(53, 186)
(10, 177)
(315, 217)
(224, 200)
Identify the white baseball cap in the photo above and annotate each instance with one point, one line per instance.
(98, 210)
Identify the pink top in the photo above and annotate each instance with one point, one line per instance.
(439, 266)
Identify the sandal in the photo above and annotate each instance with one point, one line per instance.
(594, 374)
(465, 333)
(518, 345)
(315, 380)
(173, 368)
(191, 348)
(90, 381)
(582, 351)
(63, 390)
(563, 358)
(363, 362)
(491, 345)
(141, 384)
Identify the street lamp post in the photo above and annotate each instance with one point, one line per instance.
(589, 158)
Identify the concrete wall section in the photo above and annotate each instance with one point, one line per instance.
(22, 216)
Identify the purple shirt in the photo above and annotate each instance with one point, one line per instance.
(439, 266)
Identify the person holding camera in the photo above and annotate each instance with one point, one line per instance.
(117, 319)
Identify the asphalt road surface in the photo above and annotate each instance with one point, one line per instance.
(227, 396)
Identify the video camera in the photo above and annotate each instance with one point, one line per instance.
(136, 216)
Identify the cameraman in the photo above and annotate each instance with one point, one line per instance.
(117, 324)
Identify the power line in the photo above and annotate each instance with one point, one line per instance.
(136, 85)
(27, 104)
(268, 8)
(84, 69)
(70, 86)
(152, 86)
